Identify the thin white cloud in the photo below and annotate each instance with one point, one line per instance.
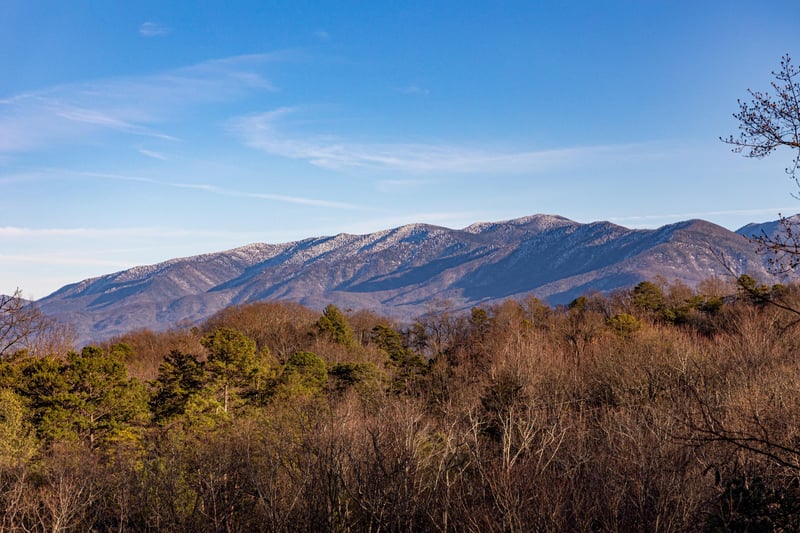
(772, 211)
(223, 191)
(148, 232)
(104, 175)
(139, 106)
(264, 196)
(61, 259)
(322, 35)
(152, 29)
(267, 132)
(93, 117)
(23, 232)
(153, 154)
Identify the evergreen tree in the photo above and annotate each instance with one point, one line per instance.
(17, 441)
(233, 366)
(180, 376)
(104, 403)
(407, 363)
(305, 373)
(649, 296)
(88, 397)
(333, 326)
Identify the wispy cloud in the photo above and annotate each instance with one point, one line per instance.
(769, 211)
(322, 35)
(24, 232)
(152, 29)
(223, 191)
(268, 132)
(138, 106)
(62, 259)
(153, 154)
(264, 196)
(150, 233)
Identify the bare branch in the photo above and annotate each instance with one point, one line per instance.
(769, 122)
(20, 323)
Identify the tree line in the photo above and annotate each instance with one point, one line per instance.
(660, 408)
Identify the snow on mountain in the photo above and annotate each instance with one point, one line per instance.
(770, 229)
(400, 271)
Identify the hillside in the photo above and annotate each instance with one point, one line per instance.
(401, 272)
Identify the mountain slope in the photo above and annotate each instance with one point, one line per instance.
(768, 229)
(401, 271)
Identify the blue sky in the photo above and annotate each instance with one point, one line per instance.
(135, 132)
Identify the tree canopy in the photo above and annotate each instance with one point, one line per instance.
(768, 122)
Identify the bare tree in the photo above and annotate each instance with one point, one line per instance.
(20, 323)
(768, 122)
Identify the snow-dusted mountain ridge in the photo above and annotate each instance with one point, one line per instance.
(400, 271)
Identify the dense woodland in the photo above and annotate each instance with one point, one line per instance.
(661, 408)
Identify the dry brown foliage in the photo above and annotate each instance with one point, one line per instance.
(525, 419)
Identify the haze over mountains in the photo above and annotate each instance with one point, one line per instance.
(402, 272)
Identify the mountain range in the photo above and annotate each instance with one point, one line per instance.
(402, 272)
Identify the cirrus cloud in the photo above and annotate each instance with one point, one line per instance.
(141, 106)
(271, 132)
(152, 29)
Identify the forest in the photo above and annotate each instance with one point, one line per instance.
(659, 408)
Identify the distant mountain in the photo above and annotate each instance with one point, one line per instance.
(769, 229)
(401, 271)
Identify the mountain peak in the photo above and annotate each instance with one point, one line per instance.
(770, 229)
(399, 272)
(538, 222)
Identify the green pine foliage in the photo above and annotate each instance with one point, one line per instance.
(85, 398)
(408, 366)
(235, 370)
(305, 374)
(102, 403)
(659, 408)
(624, 324)
(180, 376)
(649, 296)
(333, 326)
(17, 440)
